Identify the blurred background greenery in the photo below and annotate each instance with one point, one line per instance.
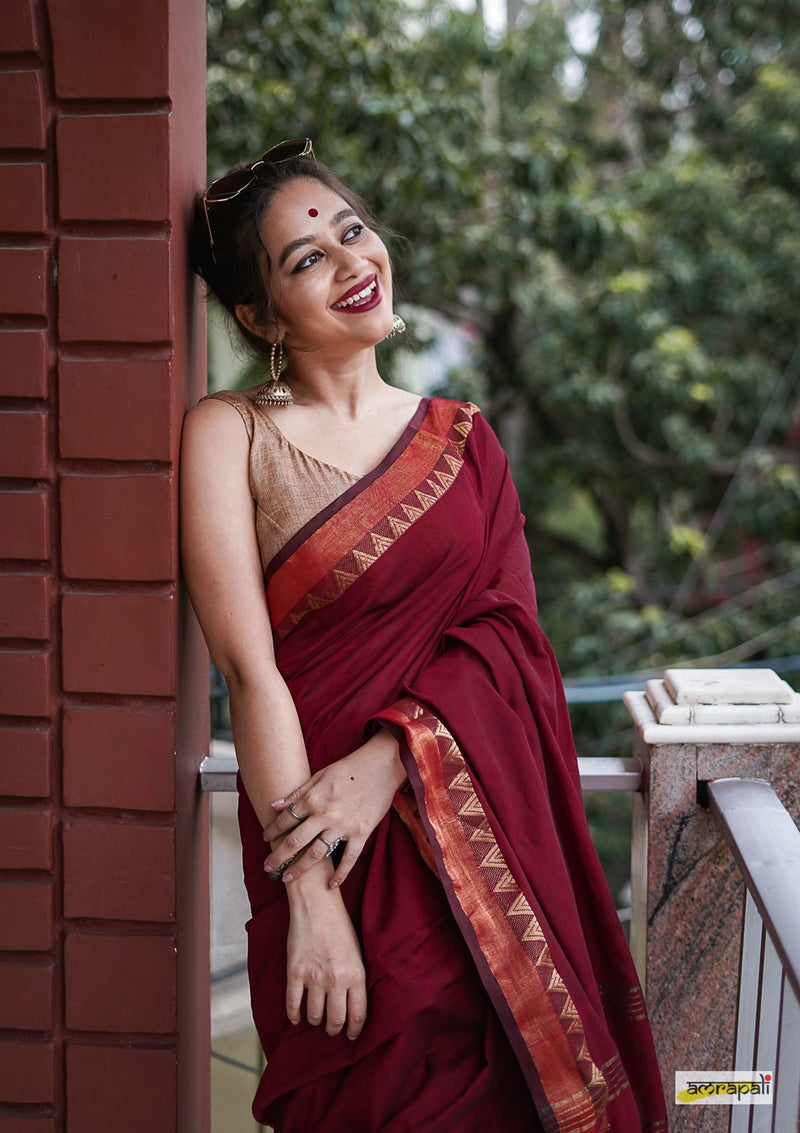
(599, 202)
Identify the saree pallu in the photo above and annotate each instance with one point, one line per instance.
(502, 994)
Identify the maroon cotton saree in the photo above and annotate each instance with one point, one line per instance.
(502, 994)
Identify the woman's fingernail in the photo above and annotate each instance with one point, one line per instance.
(334, 884)
(288, 877)
(278, 802)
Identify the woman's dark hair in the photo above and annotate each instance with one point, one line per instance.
(238, 270)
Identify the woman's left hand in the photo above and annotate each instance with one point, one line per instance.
(343, 802)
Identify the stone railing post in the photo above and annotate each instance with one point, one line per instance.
(695, 726)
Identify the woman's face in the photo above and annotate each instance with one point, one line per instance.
(330, 274)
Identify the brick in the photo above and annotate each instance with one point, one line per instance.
(24, 684)
(19, 34)
(134, 60)
(24, 524)
(23, 363)
(22, 111)
(127, 1090)
(114, 290)
(27, 1071)
(119, 757)
(25, 606)
(119, 643)
(26, 916)
(113, 167)
(23, 280)
(117, 527)
(23, 445)
(118, 871)
(120, 983)
(27, 993)
(25, 762)
(26, 839)
(23, 202)
(117, 410)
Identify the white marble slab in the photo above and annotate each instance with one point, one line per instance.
(727, 686)
(667, 711)
(653, 732)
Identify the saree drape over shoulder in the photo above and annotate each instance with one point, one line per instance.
(502, 994)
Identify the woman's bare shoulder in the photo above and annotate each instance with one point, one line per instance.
(221, 413)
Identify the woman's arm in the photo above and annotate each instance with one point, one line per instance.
(222, 569)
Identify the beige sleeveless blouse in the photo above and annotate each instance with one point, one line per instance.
(289, 486)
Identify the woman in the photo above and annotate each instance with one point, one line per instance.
(432, 947)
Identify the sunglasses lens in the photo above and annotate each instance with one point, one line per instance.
(229, 185)
(285, 151)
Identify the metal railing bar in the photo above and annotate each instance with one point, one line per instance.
(753, 934)
(226, 1058)
(601, 773)
(768, 1028)
(786, 1115)
(765, 844)
(218, 771)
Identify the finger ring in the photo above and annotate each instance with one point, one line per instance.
(294, 814)
(277, 874)
(331, 845)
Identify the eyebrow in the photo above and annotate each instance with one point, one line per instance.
(302, 241)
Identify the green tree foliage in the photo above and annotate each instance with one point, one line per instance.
(621, 230)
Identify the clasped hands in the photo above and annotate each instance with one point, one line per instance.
(342, 803)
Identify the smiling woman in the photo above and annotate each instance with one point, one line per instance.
(432, 945)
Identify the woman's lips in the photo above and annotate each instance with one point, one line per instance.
(362, 297)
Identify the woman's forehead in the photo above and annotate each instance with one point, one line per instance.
(298, 204)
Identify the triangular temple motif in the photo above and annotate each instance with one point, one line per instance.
(482, 833)
(533, 932)
(412, 513)
(343, 579)
(364, 560)
(461, 781)
(519, 907)
(471, 806)
(398, 526)
(380, 543)
(425, 500)
(507, 883)
(493, 859)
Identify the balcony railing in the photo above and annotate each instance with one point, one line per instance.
(218, 771)
(765, 844)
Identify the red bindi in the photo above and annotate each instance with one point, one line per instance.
(313, 212)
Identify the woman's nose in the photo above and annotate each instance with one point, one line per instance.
(348, 261)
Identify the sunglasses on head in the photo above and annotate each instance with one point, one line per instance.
(229, 186)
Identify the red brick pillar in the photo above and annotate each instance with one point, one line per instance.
(103, 679)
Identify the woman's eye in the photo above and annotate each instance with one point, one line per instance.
(307, 261)
(353, 232)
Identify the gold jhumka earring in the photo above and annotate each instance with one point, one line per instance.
(398, 326)
(276, 391)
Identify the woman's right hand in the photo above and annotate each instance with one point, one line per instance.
(324, 960)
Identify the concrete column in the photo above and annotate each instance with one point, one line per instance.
(693, 727)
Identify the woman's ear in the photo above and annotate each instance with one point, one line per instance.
(247, 315)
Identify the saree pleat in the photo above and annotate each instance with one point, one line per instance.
(502, 994)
